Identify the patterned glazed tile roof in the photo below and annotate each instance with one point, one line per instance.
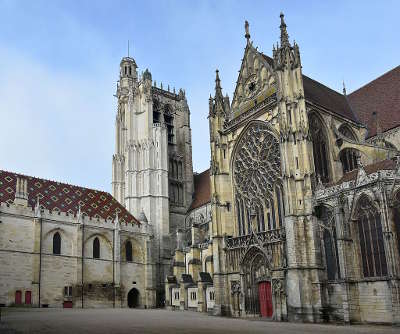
(381, 96)
(202, 191)
(56, 196)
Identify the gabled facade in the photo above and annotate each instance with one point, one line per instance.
(284, 244)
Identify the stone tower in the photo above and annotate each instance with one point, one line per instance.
(152, 165)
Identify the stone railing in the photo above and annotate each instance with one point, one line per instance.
(266, 237)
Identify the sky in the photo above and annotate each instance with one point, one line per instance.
(59, 64)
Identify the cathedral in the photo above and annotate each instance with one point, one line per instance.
(297, 218)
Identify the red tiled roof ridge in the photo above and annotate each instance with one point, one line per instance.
(373, 80)
(65, 197)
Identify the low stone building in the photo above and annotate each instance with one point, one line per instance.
(68, 246)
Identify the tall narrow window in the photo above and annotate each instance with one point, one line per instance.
(348, 158)
(279, 202)
(56, 243)
(128, 251)
(328, 236)
(396, 217)
(320, 148)
(371, 239)
(96, 248)
(239, 217)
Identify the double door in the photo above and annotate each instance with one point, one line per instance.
(265, 298)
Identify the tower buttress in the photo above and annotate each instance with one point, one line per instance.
(297, 172)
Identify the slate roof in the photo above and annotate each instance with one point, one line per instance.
(56, 196)
(202, 190)
(381, 96)
(327, 98)
(324, 96)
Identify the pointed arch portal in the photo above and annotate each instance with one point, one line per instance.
(256, 280)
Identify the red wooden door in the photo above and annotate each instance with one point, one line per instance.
(265, 297)
(18, 297)
(28, 297)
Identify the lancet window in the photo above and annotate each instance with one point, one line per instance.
(256, 177)
(320, 148)
(396, 218)
(371, 239)
(56, 243)
(328, 233)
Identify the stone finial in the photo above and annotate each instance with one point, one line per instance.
(38, 211)
(247, 31)
(116, 221)
(21, 192)
(344, 89)
(284, 34)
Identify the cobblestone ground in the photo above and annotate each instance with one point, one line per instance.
(115, 321)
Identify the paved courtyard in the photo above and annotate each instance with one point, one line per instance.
(74, 321)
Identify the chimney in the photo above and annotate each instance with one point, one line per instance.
(21, 192)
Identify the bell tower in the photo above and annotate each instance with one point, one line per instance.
(304, 299)
(152, 165)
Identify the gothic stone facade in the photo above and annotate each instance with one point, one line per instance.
(68, 246)
(300, 229)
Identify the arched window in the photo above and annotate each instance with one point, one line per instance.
(57, 243)
(320, 148)
(396, 218)
(128, 251)
(329, 239)
(256, 169)
(371, 239)
(346, 132)
(348, 157)
(96, 248)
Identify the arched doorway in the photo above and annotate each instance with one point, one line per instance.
(257, 283)
(133, 298)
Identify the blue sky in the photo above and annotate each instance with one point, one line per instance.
(59, 66)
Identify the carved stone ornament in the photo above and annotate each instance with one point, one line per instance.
(235, 287)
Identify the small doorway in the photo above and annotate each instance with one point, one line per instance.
(28, 297)
(133, 298)
(18, 297)
(265, 298)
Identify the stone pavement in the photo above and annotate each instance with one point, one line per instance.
(115, 321)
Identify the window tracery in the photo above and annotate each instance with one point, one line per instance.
(256, 173)
(371, 239)
(320, 148)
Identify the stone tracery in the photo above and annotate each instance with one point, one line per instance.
(257, 164)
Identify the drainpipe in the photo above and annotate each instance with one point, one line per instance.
(40, 258)
(113, 267)
(82, 258)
